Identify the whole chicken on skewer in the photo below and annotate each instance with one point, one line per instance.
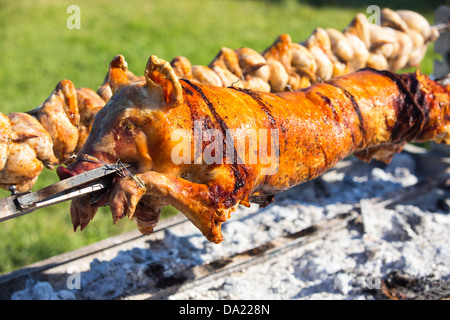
(154, 123)
(45, 136)
(25, 147)
(50, 134)
(68, 113)
(400, 41)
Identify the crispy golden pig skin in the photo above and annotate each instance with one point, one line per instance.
(370, 113)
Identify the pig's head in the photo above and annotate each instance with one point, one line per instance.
(122, 130)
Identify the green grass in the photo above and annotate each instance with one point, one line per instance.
(38, 50)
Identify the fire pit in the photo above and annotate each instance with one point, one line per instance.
(359, 231)
(342, 236)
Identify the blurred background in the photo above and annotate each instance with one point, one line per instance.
(37, 50)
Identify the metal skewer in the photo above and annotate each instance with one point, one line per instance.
(442, 27)
(91, 181)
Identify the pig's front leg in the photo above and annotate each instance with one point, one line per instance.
(194, 200)
(128, 199)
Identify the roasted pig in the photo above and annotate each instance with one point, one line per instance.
(401, 40)
(206, 149)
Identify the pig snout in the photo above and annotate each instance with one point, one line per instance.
(81, 165)
(86, 203)
(64, 173)
(75, 169)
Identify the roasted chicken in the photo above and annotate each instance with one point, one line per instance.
(400, 41)
(45, 136)
(26, 147)
(206, 149)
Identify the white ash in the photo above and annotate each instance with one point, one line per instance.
(412, 238)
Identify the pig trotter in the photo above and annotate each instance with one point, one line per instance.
(194, 200)
(82, 212)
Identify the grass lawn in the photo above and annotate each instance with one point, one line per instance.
(37, 50)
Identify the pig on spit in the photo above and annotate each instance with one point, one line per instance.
(400, 40)
(205, 149)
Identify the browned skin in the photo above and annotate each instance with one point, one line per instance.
(60, 117)
(26, 147)
(89, 104)
(401, 40)
(45, 136)
(369, 113)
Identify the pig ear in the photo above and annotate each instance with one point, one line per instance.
(160, 73)
(118, 73)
